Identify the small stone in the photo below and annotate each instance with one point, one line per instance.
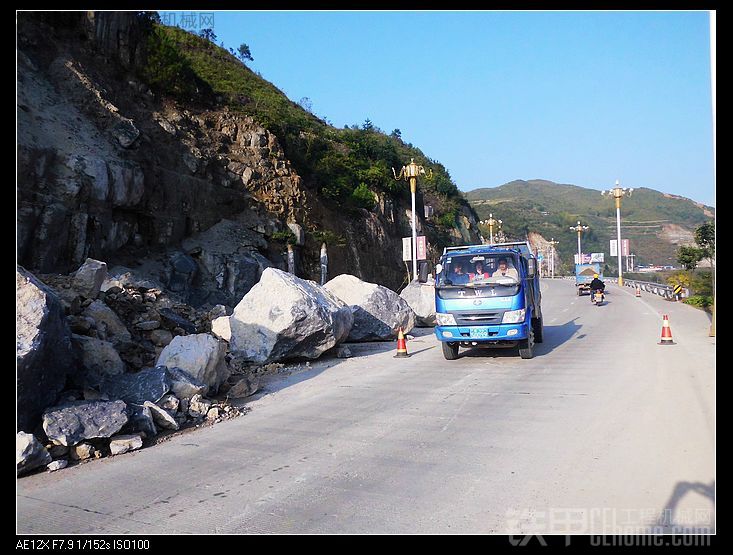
(82, 451)
(57, 465)
(29, 453)
(198, 407)
(160, 337)
(147, 325)
(342, 351)
(212, 414)
(169, 402)
(183, 406)
(124, 443)
(161, 417)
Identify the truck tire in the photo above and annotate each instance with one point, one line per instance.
(538, 328)
(450, 350)
(526, 346)
(579, 291)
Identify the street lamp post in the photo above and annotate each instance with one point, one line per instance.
(580, 229)
(491, 222)
(552, 256)
(618, 193)
(410, 173)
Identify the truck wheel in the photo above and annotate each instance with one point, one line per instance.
(579, 292)
(526, 346)
(450, 350)
(537, 327)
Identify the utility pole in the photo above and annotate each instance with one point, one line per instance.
(580, 229)
(410, 173)
(618, 193)
(552, 256)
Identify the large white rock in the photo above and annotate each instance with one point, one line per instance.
(284, 317)
(29, 453)
(220, 327)
(378, 311)
(421, 298)
(43, 348)
(200, 355)
(89, 277)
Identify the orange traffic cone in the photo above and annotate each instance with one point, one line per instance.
(401, 345)
(666, 333)
(638, 291)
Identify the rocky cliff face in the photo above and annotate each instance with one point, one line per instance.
(107, 170)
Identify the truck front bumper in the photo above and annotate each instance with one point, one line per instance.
(503, 332)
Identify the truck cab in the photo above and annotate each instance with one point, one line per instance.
(488, 296)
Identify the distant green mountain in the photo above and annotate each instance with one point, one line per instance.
(656, 223)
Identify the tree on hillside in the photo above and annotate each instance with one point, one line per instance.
(689, 256)
(396, 133)
(244, 53)
(367, 125)
(306, 104)
(208, 34)
(705, 239)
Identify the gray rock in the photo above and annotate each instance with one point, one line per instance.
(284, 317)
(57, 465)
(342, 351)
(72, 423)
(149, 384)
(421, 298)
(58, 451)
(161, 338)
(161, 417)
(185, 386)
(141, 420)
(378, 311)
(89, 277)
(124, 443)
(98, 358)
(183, 271)
(29, 453)
(125, 132)
(82, 452)
(217, 312)
(44, 356)
(169, 402)
(174, 319)
(80, 324)
(119, 277)
(198, 406)
(220, 328)
(201, 356)
(243, 388)
(100, 312)
(148, 325)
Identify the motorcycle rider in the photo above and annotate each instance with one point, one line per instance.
(595, 285)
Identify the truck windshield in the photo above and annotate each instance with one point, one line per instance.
(479, 269)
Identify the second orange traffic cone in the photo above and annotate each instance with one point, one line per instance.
(666, 333)
(401, 345)
(638, 291)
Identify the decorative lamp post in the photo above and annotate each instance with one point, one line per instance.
(552, 256)
(580, 229)
(410, 173)
(618, 193)
(491, 222)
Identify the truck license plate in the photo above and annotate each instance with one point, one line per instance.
(479, 333)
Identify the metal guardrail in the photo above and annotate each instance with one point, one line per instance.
(666, 291)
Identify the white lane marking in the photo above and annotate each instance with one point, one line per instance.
(565, 309)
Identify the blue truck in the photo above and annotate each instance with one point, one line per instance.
(488, 296)
(584, 275)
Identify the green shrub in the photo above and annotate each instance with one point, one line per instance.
(285, 236)
(328, 237)
(362, 197)
(699, 301)
(448, 219)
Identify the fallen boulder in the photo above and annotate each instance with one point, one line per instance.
(201, 356)
(221, 328)
(98, 358)
(162, 417)
(124, 443)
(284, 316)
(149, 384)
(378, 311)
(183, 385)
(74, 422)
(88, 279)
(421, 298)
(29, 453)
(43, 351)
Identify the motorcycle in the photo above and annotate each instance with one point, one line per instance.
(597, 297)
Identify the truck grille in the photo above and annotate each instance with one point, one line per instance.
(479, 318)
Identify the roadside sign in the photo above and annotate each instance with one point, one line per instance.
(614, 247)
(596, 257)
(585, 258)
(422, 248)
(625, 247)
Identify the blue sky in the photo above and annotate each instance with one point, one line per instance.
(574, 97)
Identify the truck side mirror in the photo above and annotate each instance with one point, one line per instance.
(531, 267)
(422, 271)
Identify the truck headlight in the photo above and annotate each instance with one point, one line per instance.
(513, 316)
(445, 319)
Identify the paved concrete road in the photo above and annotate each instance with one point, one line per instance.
(603, 431)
